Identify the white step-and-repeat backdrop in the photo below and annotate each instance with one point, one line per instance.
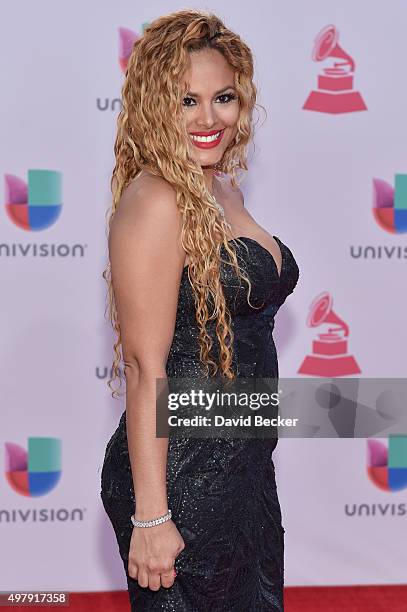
(328, 176)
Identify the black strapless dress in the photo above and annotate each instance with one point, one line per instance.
(222, 492)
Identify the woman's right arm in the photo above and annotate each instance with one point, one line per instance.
(146, 263)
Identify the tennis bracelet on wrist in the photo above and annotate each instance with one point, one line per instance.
(151, 522)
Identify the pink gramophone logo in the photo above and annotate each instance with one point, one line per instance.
(330, 355)
(335, 93)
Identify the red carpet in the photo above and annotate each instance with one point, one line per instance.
(297, 599)
(391, 598)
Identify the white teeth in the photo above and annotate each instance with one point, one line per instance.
(205, 138)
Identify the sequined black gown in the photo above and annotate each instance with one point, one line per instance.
(222, 492)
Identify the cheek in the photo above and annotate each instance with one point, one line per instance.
(230, 115)
(190, 117)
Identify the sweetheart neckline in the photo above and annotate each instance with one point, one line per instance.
(263, 248)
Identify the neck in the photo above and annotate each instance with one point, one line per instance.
(209, 173)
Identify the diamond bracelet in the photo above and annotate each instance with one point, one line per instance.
(152, 522)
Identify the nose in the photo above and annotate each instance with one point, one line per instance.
(207, 116)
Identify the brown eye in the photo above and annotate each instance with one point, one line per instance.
(228, 97)
(186, 99)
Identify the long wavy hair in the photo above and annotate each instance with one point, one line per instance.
(152, 95)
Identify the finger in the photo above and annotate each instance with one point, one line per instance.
(154, 581)
(132, 570)
(167, 579)
(142, 578)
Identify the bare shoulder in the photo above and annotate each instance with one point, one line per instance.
(147, 222)
(148, 195)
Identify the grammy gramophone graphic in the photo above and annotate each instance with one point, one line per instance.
(335, 93)
(330, 351)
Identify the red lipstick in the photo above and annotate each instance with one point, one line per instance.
(207, 144)
(205, 133)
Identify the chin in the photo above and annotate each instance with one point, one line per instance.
(209, 161)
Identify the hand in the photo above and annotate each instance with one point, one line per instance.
(152, 554)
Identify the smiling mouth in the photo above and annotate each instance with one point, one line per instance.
(205, 141)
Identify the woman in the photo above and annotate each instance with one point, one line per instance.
(180, 309)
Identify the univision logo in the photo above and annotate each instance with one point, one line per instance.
(35, 205)
(387, 466)
(390, 204)
(103, 372)
(127, 38)
(390, 213)
(36, 472)
(42, 515)
(387, 470)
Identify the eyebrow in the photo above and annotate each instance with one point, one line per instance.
(194, 95)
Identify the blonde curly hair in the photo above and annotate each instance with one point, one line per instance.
(152, 94)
